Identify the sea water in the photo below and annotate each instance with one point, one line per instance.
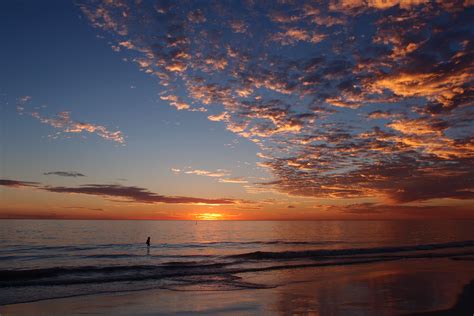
(44, 259)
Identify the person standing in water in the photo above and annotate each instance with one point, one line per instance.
(148, 242)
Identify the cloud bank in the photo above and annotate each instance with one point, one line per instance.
(118, 193)
(345, 99)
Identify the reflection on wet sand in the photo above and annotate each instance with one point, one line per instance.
(378, 289)
(464, 305)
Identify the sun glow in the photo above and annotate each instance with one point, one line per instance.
(209, 216)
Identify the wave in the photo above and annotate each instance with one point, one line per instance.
(245, 244)
(42, 248)
(227, 265)
(261, 255)
(90, 247)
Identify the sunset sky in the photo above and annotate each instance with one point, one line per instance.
(236, 110)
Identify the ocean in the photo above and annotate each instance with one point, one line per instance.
(45, 259)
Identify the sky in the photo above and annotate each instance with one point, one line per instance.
(237, 110)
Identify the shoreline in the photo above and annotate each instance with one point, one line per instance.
(419, 287)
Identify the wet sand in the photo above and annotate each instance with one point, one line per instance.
(463, 306)
(385, 288)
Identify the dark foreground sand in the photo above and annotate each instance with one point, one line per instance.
(417, 287)
(464, 305)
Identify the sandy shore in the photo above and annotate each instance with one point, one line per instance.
(463, 306)
(386, 288)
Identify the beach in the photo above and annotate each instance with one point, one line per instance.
(318, 268)
(389, 288)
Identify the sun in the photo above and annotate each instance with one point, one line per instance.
(209, 216)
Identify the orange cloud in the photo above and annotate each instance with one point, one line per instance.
(215, 174)
(175, 101)
(64, 122)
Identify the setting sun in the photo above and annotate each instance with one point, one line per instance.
(209, 216)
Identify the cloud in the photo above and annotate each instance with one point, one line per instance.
(64, 122)
(119, 193)
(378, 114)
(238, 26)
(233, 180)
(84, 208)
(175, 101)
(377, 210)
(196, 16)
(224, 116)
(18, 183)
(73, 174)
(215, 174)
(221, 174)
(200, 172)
(134, 194)
(293, 35)
(336, 111)
(21, 102)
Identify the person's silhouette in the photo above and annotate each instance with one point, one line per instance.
(148, 242)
